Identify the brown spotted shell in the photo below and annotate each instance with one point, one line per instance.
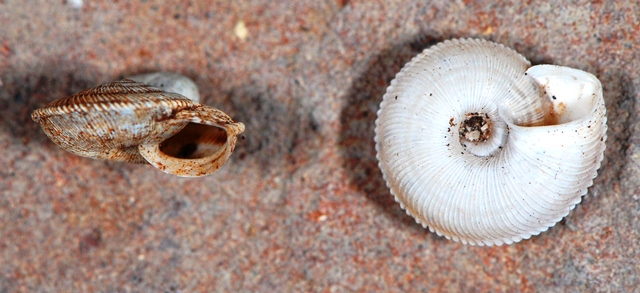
(132, 122)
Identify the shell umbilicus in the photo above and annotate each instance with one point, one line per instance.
(133, 122)
(481, 148)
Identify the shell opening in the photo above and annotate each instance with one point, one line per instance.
(195, 141)
(197, 150)
(569, 94)
(202, 147)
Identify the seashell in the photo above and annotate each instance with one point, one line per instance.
(483, 149)
(133, 122)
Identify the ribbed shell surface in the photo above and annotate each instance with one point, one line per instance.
(521, 181)
(111, 120)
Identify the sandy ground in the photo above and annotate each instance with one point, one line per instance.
(301, 206)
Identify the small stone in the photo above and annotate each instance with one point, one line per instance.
(241, 31)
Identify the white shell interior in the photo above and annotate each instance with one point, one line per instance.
(520, 182)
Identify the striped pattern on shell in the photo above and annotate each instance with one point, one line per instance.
(482, 150)
(113, 96)
(111, 120)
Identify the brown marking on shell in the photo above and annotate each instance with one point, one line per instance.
(548, 114)
(111, 121)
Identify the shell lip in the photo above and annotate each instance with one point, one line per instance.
(199, 149)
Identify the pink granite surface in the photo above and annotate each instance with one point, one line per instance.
(301, 206)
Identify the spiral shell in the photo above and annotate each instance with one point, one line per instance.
(132, 122)
(481, 149)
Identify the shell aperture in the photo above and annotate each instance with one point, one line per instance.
(481, 148)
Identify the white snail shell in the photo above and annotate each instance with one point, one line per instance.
(170, 82)
(484, 149)
(133, 122)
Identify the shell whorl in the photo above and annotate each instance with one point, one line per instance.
(114, 96)
(517, 179)
(111, 120)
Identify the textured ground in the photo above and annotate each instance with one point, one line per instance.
(301, 206)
